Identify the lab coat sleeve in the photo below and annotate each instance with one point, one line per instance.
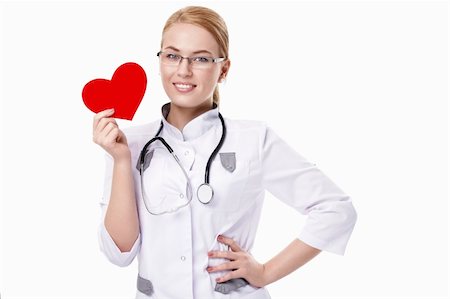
(301, 185)
(107, 244)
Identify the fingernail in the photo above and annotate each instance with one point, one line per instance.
(210, 254)
(217, 279)
(208, 269)
(110, 110)
(220, 238)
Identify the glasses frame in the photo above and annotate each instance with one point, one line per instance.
(189, 59)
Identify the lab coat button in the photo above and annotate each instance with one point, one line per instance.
(183, 258)
(181, 195)
(186, 153)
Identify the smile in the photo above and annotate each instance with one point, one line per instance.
(183, 87)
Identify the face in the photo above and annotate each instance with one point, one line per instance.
(186, 86)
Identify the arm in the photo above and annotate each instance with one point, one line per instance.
(244, 265)
(118, 233)
(121, 219)
(300, 184)
(288, 260)
(303, 186)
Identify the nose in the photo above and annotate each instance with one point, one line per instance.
(184, 68)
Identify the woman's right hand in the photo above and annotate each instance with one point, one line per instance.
(107, 134)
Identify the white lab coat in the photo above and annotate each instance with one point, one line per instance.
(172, 248)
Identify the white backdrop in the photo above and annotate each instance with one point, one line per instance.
(360, 88)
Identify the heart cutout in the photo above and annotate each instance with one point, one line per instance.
(124, 92)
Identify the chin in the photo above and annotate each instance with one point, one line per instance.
(190, 101)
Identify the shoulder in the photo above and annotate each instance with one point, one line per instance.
(245, 126)
(253, 132)
(247, 135)
(248, 131)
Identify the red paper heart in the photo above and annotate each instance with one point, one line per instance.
(124, 92)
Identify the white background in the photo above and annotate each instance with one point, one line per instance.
(359, 88)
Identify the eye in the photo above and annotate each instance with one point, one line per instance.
(200, 59)
(171, 56)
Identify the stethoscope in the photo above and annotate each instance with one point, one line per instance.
(205, 192)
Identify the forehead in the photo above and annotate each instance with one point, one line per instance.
(190, 38)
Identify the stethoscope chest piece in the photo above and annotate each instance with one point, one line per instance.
(205, 193)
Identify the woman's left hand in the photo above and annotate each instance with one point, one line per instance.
(242, 264)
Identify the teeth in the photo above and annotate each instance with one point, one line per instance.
(183, 86)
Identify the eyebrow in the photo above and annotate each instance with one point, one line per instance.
(196, 52)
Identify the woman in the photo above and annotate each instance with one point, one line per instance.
(191, 241)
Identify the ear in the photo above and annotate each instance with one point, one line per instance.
(224, 71)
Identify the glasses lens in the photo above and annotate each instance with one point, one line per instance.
(169, 58)
(201, 62)
(198, 62)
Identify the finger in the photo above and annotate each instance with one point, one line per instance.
(230, 275)
(103, 123)
(230, 242)
(224, 254)
(225, 266)
(101, 137)
(100, 115)
(113, 135)
(110, 127)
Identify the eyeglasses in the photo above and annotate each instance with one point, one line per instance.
(197, 62)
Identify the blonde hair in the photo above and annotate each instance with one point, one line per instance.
(207, 19)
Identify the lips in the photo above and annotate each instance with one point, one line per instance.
(184, 86)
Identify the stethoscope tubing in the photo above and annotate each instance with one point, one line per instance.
(216, 150)
(207, 170)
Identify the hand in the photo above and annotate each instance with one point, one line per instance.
(241, 262)
(107, 134)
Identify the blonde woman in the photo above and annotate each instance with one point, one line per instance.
(184, 193)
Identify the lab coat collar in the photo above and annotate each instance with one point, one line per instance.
(194, 128)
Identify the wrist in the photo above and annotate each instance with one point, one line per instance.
(265, 275)
(123, 159)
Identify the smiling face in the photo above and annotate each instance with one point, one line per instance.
(186, 86)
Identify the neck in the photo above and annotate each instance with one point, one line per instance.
(180, 116)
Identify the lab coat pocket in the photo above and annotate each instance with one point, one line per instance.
(228, 178)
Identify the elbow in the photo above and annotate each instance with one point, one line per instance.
(330, 228)
(121, 257)
(121, 262)
(348, 217)
(118, 257)
(352, 216)
(125, 248)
